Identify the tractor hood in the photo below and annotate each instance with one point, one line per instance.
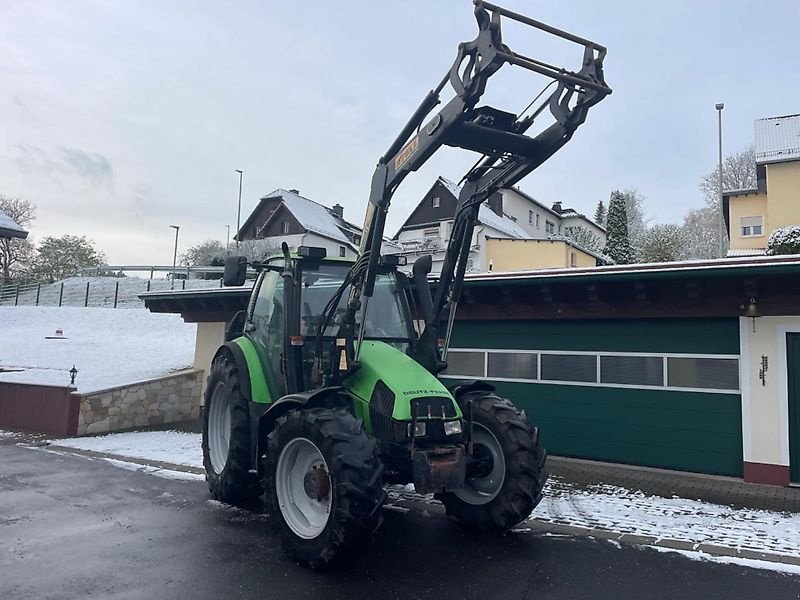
(402, 375)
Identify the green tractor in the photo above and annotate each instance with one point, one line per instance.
(327, 388)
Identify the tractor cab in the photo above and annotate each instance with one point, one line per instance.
(284, 316)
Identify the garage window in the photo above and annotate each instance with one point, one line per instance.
(569, 367)
(510, 365)
(704, 373)
(632, 370)
(468, 364)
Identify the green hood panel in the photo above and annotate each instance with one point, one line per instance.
(401, 374)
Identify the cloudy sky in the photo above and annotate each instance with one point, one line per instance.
(121, 118)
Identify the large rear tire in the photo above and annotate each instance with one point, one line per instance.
(325, 485)
(226, 437)
(504, 487)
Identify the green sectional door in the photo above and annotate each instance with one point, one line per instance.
(627, 391)
(793, 353)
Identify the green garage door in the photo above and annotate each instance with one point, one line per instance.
(793, 347)
(656, 393)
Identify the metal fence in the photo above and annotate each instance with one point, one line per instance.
(107, 292)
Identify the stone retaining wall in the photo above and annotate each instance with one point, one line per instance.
(163, 400)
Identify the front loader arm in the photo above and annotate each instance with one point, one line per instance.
(498, 136)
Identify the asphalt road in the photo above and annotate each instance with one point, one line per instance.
(71, 527)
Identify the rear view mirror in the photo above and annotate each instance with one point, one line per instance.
(235, 270)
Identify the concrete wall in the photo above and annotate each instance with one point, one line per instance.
(210, 336)
(783, 188)
(752, 205)
(167, 399)
(765, 405)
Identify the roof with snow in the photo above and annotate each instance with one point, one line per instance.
(311, 215)
(9, 229)
(490, 218)
(777, 139)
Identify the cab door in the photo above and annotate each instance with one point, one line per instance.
(267, 329)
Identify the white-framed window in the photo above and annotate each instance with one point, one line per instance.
(435, 202)
(549, 227)
(431, 232)
(285, 227)
(530, 217)
(342, 251)
(573, 260)
(752, 226)
(669, 372)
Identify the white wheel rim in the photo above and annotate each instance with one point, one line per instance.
(482, 490)
(307, 517)
(219, 428)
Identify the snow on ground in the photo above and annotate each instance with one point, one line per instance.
(166, 446)
(6, 434)
(602, 506)
(732, 560)
(625, 511)
(108, 347)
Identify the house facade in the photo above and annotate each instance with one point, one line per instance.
(286, 216)
(751, 215)
(509, 214)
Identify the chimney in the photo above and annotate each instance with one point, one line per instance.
(294, 191)
(338, 210)
(557, 207)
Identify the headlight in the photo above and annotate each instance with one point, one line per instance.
(452, 427)
(419, 429)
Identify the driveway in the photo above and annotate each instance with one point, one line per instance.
(74, 527)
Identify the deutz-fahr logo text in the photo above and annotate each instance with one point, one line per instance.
(406, 153)
(422, 393)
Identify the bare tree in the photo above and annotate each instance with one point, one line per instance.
(583, 237)
(204, 254)
(738, 173)
(701, 226)
(16, 255)
(662, 243)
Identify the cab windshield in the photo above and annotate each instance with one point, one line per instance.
(386, 317)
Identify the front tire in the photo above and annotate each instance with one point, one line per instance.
(506, 485)
(324, 483)
(226, 436)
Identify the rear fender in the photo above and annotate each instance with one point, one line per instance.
(466, 387)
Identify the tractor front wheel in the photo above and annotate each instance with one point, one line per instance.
(325, 485)
(506, 472)
(226, 437)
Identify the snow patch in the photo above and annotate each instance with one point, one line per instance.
(108, 347)
(173, 447)
(165, 473)
(732, 560)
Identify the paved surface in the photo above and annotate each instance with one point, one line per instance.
(72, 527)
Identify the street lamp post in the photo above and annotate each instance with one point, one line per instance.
(719, 106)
(175, 254)
(239, 211)
(227, 237)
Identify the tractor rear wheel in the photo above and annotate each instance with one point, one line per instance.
(324, 483)
(504, 481)
(226, 436)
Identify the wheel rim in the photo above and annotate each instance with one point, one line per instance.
(300, 484)
(219, 427)
(484, 488)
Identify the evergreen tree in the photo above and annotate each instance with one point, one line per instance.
(600, 214)
(618, 246)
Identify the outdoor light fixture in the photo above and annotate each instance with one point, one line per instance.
(72, 373)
